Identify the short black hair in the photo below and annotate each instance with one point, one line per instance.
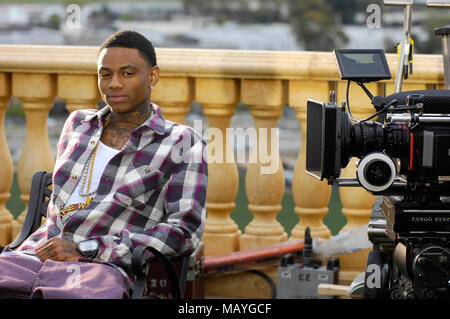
(134, 40)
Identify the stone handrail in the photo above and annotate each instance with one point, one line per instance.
(266, 81)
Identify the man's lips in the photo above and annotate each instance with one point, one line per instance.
(117, 98)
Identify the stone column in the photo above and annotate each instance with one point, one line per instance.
(311, 196)
(7, 171)
(264, 181)
(174, 95)
(37, 92)
(80, 91)
(219, 98)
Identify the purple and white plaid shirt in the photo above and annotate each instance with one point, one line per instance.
(149, 194)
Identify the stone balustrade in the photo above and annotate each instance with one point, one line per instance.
(218, 80)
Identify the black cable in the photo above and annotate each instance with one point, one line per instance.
(348, 104)
(267, 278)
(384, 109)
(141, 277)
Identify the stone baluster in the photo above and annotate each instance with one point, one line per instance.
(219, 98)
(80, 91)
(311, 196)
(264, 181)
(37, 92)
(7, 171)
(174, 95)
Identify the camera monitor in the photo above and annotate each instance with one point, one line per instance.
(362, 65)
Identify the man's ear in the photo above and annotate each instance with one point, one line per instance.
(154, 76)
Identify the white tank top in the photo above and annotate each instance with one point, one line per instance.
(102, 157)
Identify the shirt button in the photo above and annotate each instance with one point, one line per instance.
(74, 178)
(66, 233)
(147, 170)
(92, 142)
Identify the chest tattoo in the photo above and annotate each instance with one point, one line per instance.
(115, 137)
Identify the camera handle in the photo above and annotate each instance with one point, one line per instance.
(353, 182)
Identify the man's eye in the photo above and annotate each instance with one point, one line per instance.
(128, 73)
(104, 75)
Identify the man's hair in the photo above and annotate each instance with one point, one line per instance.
(133, 40)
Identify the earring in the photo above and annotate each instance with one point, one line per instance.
(152, 87)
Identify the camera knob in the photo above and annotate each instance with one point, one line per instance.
(376, 172)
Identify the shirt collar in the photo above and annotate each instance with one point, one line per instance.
(156, 121)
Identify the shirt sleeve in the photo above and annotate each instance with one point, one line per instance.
(182, 227)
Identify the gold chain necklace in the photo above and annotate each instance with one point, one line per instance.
(83, 182)
(89, 171)
(88, 194)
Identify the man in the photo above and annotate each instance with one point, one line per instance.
(118, 182)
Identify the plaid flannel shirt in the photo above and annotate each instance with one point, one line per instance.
(153, 192)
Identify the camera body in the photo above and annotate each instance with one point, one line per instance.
(405, 159)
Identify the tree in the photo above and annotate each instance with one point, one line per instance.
(53, 22)
(314, 25)
(347, 9)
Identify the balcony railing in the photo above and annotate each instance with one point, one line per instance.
(219, 80)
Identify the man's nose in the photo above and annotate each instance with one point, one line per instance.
(115, 83)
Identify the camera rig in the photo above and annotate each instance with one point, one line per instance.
(405, 159)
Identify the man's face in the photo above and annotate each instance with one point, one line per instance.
(125, 78)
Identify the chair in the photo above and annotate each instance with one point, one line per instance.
(175, 267)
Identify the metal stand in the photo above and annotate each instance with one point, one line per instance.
(405, 47)
(443, 32)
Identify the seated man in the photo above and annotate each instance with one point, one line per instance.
(124, 176)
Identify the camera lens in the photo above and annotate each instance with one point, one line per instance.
(377, 173)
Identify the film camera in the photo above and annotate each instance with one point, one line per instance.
(404, 152)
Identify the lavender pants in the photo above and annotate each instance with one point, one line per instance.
(25, 277)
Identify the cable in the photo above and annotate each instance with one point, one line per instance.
(348, 104)
(267, 278)
(253, 271)
(384, 109)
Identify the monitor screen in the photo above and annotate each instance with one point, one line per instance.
(362, 65)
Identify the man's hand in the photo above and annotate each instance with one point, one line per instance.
(59, 250)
